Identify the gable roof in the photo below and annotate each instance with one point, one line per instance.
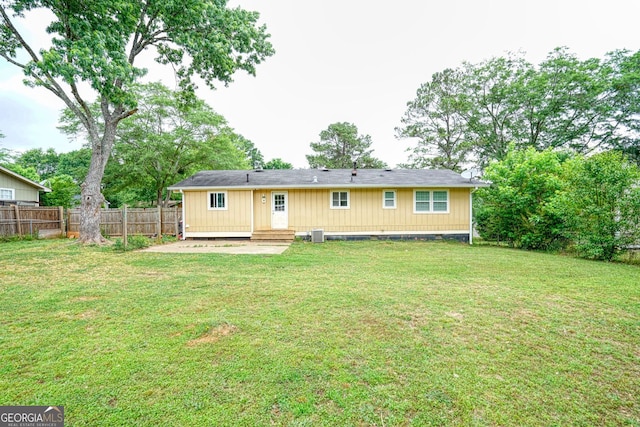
(326, 178)
(25, 180)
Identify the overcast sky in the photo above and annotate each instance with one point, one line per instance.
(356, 61)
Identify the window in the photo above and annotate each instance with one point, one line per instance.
(431, 201)
(218, 200)
(339, 200)
(423, 201)
(389, 199)
(440, 201)
(7, 194)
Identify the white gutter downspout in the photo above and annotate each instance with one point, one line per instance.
(471, 215)
(184, 224)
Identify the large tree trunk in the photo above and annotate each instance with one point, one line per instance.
(92, 198)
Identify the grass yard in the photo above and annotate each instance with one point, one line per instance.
(336, 334)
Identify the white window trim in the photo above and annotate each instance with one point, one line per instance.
(431, 211)
(10, 190)
(395, 199)
(226, 201)
(339, 207)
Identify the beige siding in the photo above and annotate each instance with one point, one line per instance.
(310, 209)
(200, 219)
(23, 191)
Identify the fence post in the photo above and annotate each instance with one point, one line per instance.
(125, 235)
(61, 218)
(175, 221)
(159, 224)
(18, 222)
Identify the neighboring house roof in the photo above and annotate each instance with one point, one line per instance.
(25, 180)
(326, 178)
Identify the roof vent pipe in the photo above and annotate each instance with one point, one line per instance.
(247, 177)
(354, 172)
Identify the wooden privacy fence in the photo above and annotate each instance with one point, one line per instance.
(146, 222)
(30, 220)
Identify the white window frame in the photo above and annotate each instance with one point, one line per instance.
(431, 201)
(384, 199)
(332, 192)
(226, 201)
(12, 191)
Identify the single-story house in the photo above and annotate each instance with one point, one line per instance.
(342, 203)
(15, 189)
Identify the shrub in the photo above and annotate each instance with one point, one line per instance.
(516, 208)
(133, 243)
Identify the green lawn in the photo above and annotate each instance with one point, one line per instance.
(341, 333)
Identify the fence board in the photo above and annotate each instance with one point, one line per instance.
(141, 221)
(24, 220)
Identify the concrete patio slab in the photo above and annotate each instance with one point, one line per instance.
(236, 247)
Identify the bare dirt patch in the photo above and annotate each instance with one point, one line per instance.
(214, 335)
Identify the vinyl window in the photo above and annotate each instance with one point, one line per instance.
(7, 194)
(339, 200)
(218, 200)
(431, 201)
(389, 199)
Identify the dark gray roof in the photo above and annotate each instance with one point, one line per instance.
(325, 178)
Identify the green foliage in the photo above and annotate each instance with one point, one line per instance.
(277, 164)
(517, 208)
(133, 242)
(472, 113)
(28, 172)
(165, 141)
(75, 164)
(45, 163)
(437, 118)
(64, 192)
(96, 45)
(340, 145)
(602, 205)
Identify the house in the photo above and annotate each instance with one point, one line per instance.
(15, 189)
(343, 203)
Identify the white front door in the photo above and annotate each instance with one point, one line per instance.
(279, 210)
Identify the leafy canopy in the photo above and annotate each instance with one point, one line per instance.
(340, 146)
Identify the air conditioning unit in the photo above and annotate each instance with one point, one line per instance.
(317, 236)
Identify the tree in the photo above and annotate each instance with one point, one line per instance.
(474, 112)
(492, 108)
(602, 204)
(63, 191)
(28, 172)
(253, 156)
(97, 45)
(437, 118)
(165, 141)
(44, 162)
(340, 146)
(518, 207)
(75, 164)
(277, 164)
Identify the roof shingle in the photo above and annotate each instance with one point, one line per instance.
(325, 178)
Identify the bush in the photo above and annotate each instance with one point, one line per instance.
(133, 243)
(602, 205)
(516, 208)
